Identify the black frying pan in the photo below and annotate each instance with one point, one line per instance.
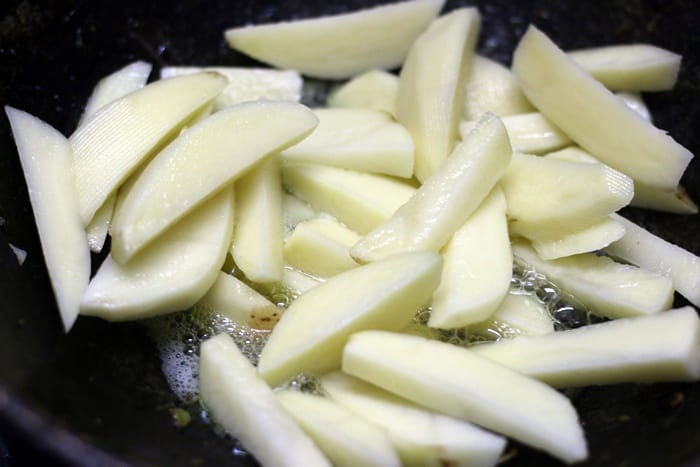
(97, 396)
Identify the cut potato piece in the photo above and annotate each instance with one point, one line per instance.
(46, 159)
(635, 102)
(516, 315)
(374, 90)
(549, 198)
(339, 46)
(293, 284)
(646, 250)
(421, 437)
(248, 410)
(170, 275)
(321, 247)
(232, 298)
(446, 199)
(589, 239)
(204, 159)
(258, 236)
(99, 226)
(122, 135)
(630, 67)
(457, 382)
(360, 200)
(294, 211)
(347, 439)
(663, 347)
(593, 117)
(477, 269)
(357, 139)
(430, 95)
(381, 295)
(610, 289)
(491, 87)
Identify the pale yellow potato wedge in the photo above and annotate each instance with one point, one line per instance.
(46, 159)
(594, 117)
(360, 200)
(310, 336)
(292, 284)
(446, 199)
(358, 139)
(609, 289)
(457, 382)
(630, 67)
(99, 226)
(430, 94)
(374, 90)
(201, 161)
(663, 347)
(170, 275)
(121, 136)
(477, 267)
(294, 211)
(635, 102)
(258, 232)
(243, 405)
(516, 315)
(347, 439)
(339, 46)
(589, 239)
(421, 437)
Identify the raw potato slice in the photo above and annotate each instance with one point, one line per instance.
(98, 228)
(589, 239)
(234, 299)
(646, 250)
(258, 233)
(294, 211)
(347, 439)
(594, 117)
(122, 135)
(46, 160)
(248, 410)
(455, 381)
(247, 84)
(339, 46)
(321, 247)
(610, 289)
(491, 87)
(374, 90)
(663, 347)
(201, 161)
(421, 437)
(357, 139)
(360, 200)
(477, 269)
(310, 336)
(170, 275)
(630, 67)
(516, 315)
(549, 198)
(430, 95)
(635, 102)
(293, 284)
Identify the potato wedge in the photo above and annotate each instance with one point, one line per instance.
(374, 90)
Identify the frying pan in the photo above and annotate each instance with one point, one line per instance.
(96, 396)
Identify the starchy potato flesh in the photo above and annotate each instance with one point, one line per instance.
(320, 247)
(609, 289)
(382, 295)
(46, 160)
(477, 267)
(446, 199)
(374, 90)
(293, 281)
(589, 239)
(635, 102)
(360, 200)
(594, 117)
(421, 437)
(662, 347)
(242, 404)
(171, 274)
(258, 232)
(491, 87)
(516, 315)
(122, 135)
(339, 46)
(345, 438)
(430, 95)
(646, 250)
(232, 298)
(358, 139)
(630, 67)
(482, 392)
(204, 159)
